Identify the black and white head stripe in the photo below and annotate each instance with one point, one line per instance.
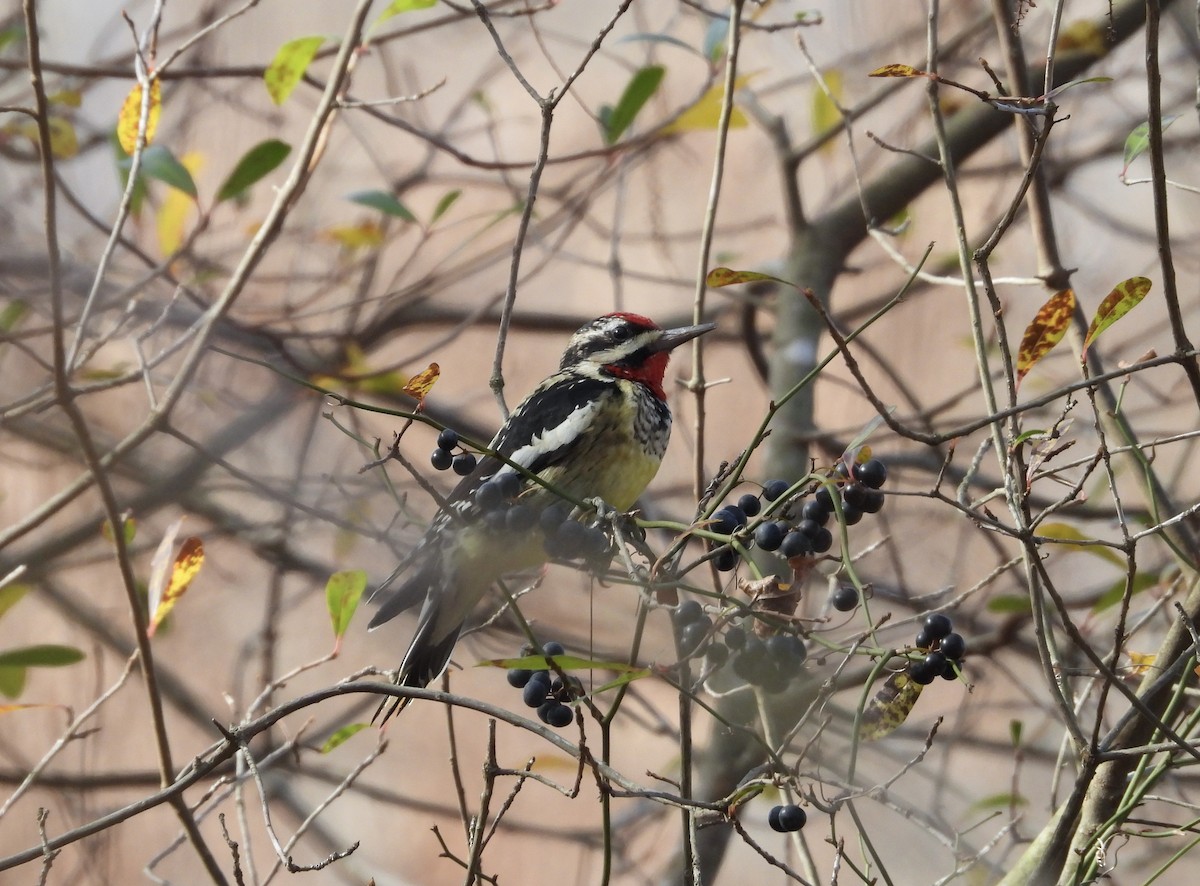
(609, 339)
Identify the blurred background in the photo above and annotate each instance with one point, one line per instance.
(226, 340)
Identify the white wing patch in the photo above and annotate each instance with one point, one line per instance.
(558, 437)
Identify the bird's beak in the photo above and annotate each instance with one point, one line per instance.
(673, 338)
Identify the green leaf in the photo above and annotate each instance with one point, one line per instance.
(12, 314)
(1126, 296)
(719, 277)
(159, 163)
(1138, 141)
(1142, 581)
(12, 681)
(342, 593)
(641, 87)
(622, 680)
(1006, 604)
(1059, 90)
(10, 594)
(1015, 729)
(384, 202)
(998, 801)
(339, 737)
(398, 6)
(255, 163)
(1065, 532)
(289, 65)
(11, 35)
(46, 655)
(123, 166)
(444, 204)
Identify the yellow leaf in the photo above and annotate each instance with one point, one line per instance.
(825, 113)
(1141, 661)
(898, 71)
(364, 234)
(176, 208)
(1085, 35)
(420, 384)
(63, 142)
(289, 65)
(890, 707)
(706, 112)
(69, 97)
(131, 115)
(187, 563)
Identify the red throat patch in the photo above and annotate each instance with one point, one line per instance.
(651, 373)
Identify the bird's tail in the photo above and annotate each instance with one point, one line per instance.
(430, 650)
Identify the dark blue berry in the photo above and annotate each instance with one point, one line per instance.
(554, 516)
(772, 489)
(518, 677)
(929, 669)
(749, 504)
(728, 520)
(823, 499)
(787, 653)
(872, 473)
(441, 459)
(873, 501)
(796, 544)
(568, 540)
(938, 625)
(519, 518)
(687, 612)
(716, 654)
(844, 598)
(556, 714)
(509, 483)
(790, 818)
(735, 637)
(851, 514)
(769, 536)
(923, 640)
(463, 463)
(726, 559)
(855, 495)
(488, 495)
(822, 541)
(953, 646)
(535, 692)
(950, 672)
(815, 511)
(495, 520)
(810, 528)
(693, 636)
(447, 439)
(553, 648)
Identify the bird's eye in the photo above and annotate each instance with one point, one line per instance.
(622, 333)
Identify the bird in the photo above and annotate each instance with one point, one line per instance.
(596, 429)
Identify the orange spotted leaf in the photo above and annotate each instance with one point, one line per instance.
(898, 71)
(131, 115)
(1046, 330)
(187, 563)
(420, 384)
(1124, 298)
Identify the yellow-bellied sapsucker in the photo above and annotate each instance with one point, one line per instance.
(597, 428)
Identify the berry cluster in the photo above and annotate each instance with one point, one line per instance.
(798, 529)
(770, 664)
(546, 691)
(786, 819)
(945, 650)
(444, 458)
